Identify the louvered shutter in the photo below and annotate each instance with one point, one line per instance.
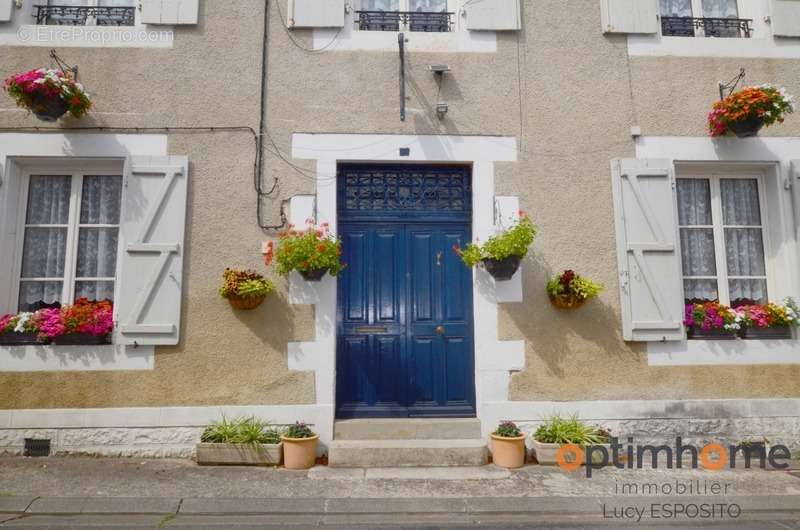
(170, 12)
(650, 276)
(151, 250)
(629, 16)
(493, 15)
(785, 18)
(316, 13)
(6, 9)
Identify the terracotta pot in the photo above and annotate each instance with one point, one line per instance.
(508, 452)
(567, 301)
(504, 269)
(299, 453)
(48, 109)
(313, 275)
(746, 128)
(245, 302)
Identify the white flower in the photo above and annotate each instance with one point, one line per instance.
(23, 319)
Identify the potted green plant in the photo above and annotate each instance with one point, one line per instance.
(508, 446)
(19, 330)
(313, 252)
(711, 320)
(242, 441)
(769, 321)
(48, 93)
(569, 290)
(501, 254)
(745, 112)
(244, 289)
(557, 431)
(299, 446)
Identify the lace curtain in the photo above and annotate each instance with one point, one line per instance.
(743, 235)
(380, 5)
(720, 9)
(676, 8)
(430, 6)
(45, 244)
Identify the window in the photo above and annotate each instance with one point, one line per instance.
(87, 12)
(718, 18)
(404, 15)
(68, 248)
(722, 239)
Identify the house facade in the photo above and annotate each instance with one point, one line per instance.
(408, 126)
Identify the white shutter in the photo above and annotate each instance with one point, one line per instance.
(647, 250)
(6, 9)
(795, 178)
(785, 18)
(151, 250)
(171, 12)
(316, 13)
(493, 15)
(629, 16)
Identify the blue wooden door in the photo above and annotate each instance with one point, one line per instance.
(404, 344)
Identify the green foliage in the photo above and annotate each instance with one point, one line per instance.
(558, 430)
(313, 249)
(240, 431)
(570, 283)
(513, 242)
(508, 429)
(299, 430)
(245, 283)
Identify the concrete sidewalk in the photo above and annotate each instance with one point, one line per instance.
(136, 493)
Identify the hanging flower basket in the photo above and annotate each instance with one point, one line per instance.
(569, 290)
(313, 275)
(567, 301)
(245, 290)
(246, 302)
(745, 112)
(48, 94)
(502, 269)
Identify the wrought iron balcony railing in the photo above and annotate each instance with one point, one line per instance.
(81, 15)
(425, 21)
(712, 27)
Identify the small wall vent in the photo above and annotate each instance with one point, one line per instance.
(37, 447)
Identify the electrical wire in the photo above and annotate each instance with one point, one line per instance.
(294, 41)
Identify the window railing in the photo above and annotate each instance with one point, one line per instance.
(81, 15)
(712, 27)
(423, 21)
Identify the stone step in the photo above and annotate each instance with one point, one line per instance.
(407, 453)
(407, 429)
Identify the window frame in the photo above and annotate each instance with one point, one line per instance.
(697, 12)
(714, 176)
(77, 171)
(453, 6)
(91, 21)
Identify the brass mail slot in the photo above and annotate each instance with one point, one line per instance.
(372, 329)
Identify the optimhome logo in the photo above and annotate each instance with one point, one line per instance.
(712, 456)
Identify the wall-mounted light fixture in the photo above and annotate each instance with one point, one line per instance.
(441, 110)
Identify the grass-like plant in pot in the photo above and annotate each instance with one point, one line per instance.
(312, 252)
(569, 290)
(241, 441)
(501, 254)
(48, 93)
(245, 289)
(299, 446)
(557, 431)
(745, 112)
(508, 446)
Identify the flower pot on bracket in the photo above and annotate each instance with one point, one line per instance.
(746, 128)
(774, 333)
(245, 302)
(504, 269)
(82, 339)
(508, 452)
(694, 333)
(567, 301)
(48, 109)
(20, 339)
(313, 275)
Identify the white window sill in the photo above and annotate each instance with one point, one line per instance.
(722, 352)
(658, 46)
(456, 41)
(139, 36)
(108, 357)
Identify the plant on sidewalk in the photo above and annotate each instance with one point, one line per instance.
(558, 430)
(299, 431)
(508, 429)
(250, 430)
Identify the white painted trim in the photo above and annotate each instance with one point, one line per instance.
(494, 359)
(710, 352)
(18, 153)
(76, 358)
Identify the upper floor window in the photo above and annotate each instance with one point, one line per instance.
(87, 12)
(703, 18)
(404, 15)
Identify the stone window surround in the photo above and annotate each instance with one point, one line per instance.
(16, 151)
(772, 155)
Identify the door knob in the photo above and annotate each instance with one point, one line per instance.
(440, 330)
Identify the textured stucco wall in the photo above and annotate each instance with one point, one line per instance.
(580, 94)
